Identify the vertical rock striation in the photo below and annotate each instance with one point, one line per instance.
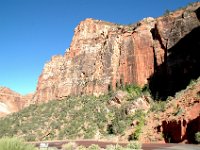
(104, 56)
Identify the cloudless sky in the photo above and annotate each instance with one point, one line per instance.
(31, 31)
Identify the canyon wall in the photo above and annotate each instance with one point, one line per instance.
(11, 101)
(104, 56)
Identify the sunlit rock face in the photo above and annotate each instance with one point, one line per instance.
(11, 101)
(104, 56)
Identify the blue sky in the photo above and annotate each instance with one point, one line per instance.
(31, 31)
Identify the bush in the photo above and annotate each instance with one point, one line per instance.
(69, 146)
(81, 148)
(120, 120)
(179, 111)
(94, 147)
(140, 117)
(167, 12)
(159, 106)
(115, 147)
(134, 91)
(197, 137)
(15, 144)
(134, 145)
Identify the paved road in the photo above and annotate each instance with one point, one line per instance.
(170, 147)
(103, 144)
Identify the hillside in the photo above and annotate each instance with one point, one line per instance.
(104, 56)
(118, 82)
(84, 117)
(177, 119)
(127, 114)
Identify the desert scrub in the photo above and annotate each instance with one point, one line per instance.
(115, 147)
(94, 147)
(134, 145)
(7, 143)
(197, 137)
(134, 91)
(69, 146)
(81, 148)
(158, 106)
(83, 116)
(62, 119)
(179, 111)
(120, 120)
(140, 116)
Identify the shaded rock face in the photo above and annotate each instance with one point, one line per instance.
(178, 35)
(184, 128)
(181, 130)
(103, 56)
(174, 131)
(11, 101)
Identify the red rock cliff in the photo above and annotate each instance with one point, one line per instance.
(11, 101)
(103, 56)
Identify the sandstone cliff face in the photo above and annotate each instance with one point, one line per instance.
(11, 101)
(184, 120)
(176, 50)
(103, 56)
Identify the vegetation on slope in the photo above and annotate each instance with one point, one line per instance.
(89, 117)
(84, 117)
(15, 144)
(183, 106)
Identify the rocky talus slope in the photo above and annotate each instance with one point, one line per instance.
(103, 56)
(178, 120)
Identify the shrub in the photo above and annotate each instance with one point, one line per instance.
(133, 90)
(7, 143)
(115, 147)
(94, 147)
(159, 106)
(140, 117)
(81, 148)
(110, 147)
(197, 137)
(198, 94)
(134, 145)
(69, 146)
(120, 120)
(167, 12)
(179, 111)
(146, 90)
(136, 134)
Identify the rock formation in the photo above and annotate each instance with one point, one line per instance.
(184, 128)
(184, 120)
(11, 101)
(163, 53)
(180, 119)
(104, 56)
